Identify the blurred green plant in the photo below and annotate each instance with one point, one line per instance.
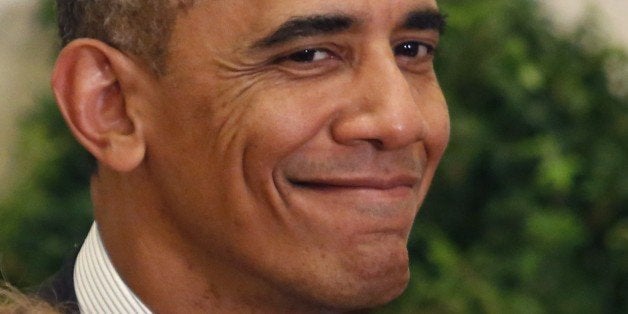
(48, 213)
(529, 210)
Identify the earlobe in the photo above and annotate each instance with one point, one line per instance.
(87, 85)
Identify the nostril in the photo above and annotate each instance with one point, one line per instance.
(382, 127)
(384, 111)
(377, 143)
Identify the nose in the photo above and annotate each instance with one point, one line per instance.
(381, 109)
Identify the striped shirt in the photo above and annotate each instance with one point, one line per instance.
(98, 286)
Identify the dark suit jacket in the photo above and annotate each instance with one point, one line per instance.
(58, 290)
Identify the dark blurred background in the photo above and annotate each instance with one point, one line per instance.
(529, 210)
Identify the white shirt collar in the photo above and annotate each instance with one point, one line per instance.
(98, 286)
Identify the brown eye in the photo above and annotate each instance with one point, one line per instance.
(309, 55)
(413, 49)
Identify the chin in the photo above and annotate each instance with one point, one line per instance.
(371, 277)
(369, 295)
(377, 294)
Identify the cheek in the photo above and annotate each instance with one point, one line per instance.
(283, 119)
(436, 115)
(195, 143)
(438, 137)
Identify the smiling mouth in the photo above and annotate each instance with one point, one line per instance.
(364, 183)
(380, 197)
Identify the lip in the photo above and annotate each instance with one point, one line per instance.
(357, 183)
(382, 198)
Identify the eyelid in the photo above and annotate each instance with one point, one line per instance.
(315, 68)
(417, 64)
(428, 38)
(428, 44)
(333, 51)
(287, 56)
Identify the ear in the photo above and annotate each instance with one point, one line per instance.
(90, 82)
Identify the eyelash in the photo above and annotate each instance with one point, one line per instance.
(412, 49)
(428, 49)
(302, 55)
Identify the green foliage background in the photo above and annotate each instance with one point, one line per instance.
(529, 211)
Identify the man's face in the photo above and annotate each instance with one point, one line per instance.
(292, 143)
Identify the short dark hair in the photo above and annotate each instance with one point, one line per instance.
(138, 27)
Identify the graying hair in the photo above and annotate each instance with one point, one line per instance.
(138, 27)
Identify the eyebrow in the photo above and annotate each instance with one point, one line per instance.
(425, 19)
(316, 25)
(306, 26)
